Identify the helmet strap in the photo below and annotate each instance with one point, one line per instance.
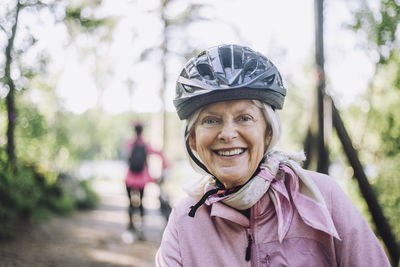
(195, 159)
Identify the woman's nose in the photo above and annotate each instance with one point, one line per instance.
(228, 131)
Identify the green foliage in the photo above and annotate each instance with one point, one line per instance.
(76, 15)
(376, 135)
(25, 192)
(391, 135)
(381, 26)
(59, 140)
(384, 122)
(380, 143)
(32, 194)
(30, 133)
(88, 198)
(78, 20)
(387, 188)
(45, 137)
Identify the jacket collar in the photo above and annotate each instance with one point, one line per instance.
(219, 209)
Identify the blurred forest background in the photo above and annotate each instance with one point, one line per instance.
(59, 128)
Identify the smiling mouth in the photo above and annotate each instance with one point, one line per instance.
(230, 152)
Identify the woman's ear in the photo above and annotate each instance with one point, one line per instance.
(192, 141)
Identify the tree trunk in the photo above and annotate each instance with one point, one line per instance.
(11, 110)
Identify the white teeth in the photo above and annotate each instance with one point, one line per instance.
(232, 152)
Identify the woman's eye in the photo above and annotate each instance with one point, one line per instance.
(245, 118)
(210, 121)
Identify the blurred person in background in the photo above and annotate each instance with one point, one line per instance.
(256, 206)
(138, 174)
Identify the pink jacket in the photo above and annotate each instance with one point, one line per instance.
(139, 180)
(218, 236)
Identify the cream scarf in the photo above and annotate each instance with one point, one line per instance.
(277, 168)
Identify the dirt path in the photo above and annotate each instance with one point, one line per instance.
(94, 238)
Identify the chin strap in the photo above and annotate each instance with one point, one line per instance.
(194, 208)
(195, 159)
(220, 192)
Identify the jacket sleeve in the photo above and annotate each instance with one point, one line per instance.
(168, 255)
(359, 245)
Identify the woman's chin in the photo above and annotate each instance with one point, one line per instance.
(233, 178)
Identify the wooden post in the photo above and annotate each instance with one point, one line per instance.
(323, 155)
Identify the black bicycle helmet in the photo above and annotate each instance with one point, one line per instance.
(227, 72)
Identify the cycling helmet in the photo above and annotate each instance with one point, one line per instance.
(227, 72)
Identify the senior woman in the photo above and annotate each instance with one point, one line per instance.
(258, 207)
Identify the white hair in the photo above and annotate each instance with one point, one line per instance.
(274, 130)
(273, 123)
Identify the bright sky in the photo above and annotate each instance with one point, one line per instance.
(282, 30)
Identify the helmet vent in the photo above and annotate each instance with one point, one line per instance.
(269, 80)
(205, 71)
(226, 57)
(237, 58)
(250, 67)
(189, 89)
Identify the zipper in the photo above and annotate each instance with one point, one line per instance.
(250, 240)
(249, 243)
(268, 260)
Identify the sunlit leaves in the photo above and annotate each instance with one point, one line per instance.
(76, 15)
(382, 26)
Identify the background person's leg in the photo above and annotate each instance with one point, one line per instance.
(130, 209)
(141, 191)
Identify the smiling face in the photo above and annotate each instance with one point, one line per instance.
(230, 139)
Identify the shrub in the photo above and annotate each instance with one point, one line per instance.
(31, 194)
